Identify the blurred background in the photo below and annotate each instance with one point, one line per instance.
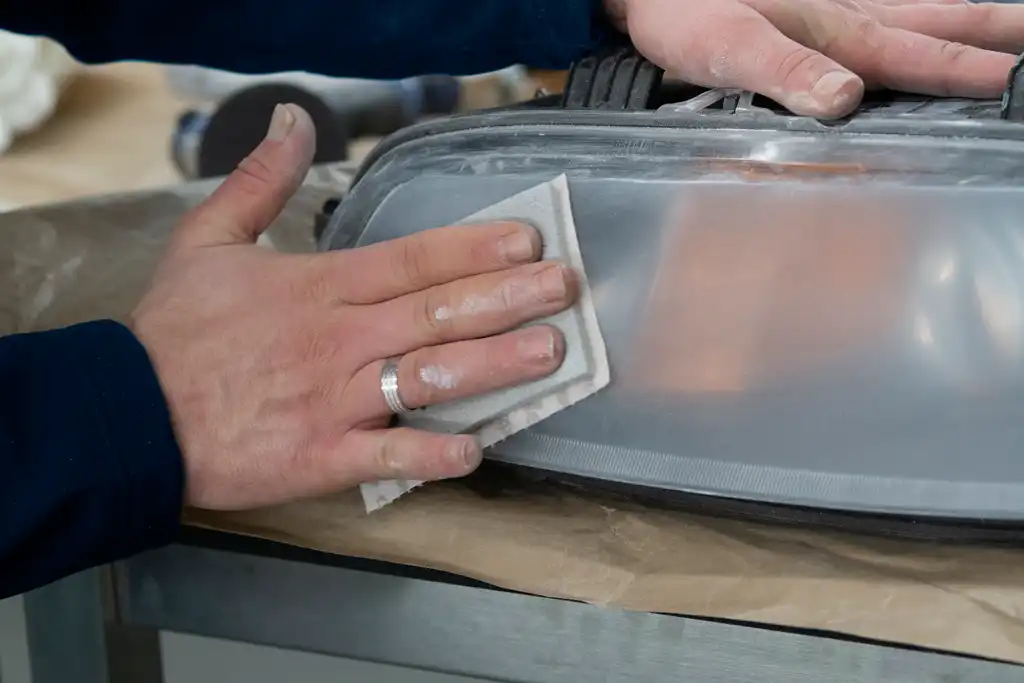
(69, 131)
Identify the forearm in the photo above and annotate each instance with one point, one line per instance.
(89, 468)
(382, 39)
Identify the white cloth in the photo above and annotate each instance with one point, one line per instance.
(33, 72)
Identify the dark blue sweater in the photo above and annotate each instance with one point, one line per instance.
(89, 468)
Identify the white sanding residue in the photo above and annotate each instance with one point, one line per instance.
(440, 377)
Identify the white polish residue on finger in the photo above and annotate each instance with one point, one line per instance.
(471, 305)
(440, 377)
(498, 300)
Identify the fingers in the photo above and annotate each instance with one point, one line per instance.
(475, 307)
(991, 26)
(891, 57)
(804, 54)
(912, 62)
(403, 453)
(736, 46)
(251, 198)
(804, 81)
(334, 461)
(391, 269)
(459, 370)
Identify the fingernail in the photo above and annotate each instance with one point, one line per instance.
(835, 91)
(465, 454)
(551, 283)
(519, 247)
(537, 344)
(281, 123)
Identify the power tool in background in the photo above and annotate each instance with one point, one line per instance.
(212, 139)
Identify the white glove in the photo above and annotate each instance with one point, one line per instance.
(33, 72)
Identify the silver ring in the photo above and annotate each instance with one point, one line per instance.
(389, 387)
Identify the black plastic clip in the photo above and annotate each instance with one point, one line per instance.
(1012, 108)
(617, 79)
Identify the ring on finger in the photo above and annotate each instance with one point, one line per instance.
(389, 387)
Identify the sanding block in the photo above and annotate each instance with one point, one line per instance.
(496, 416)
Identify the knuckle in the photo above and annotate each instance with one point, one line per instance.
(509, 296)
(412, 259)
(982, 14)
(317, 287)
(386, 457)
(433, 316)
(253, 176)
(795, 64)
(722, 60)
(326, 278)
(953, 53)
(497, 354)
(951, 56)
(418, 391)
(860, 44)
(315, 283)
(864, 30)
(314, 345)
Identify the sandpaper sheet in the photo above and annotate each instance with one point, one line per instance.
(538, 539)
(498, 415)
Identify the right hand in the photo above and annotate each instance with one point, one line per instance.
(271, 363)
(816, 57)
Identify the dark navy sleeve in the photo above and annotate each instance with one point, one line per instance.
(89, 468)
(380, 39)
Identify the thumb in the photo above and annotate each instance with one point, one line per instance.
(249, 199)
(399, 453)
(728, 44)
(802, 80)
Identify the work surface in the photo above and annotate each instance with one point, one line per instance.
(537, 539)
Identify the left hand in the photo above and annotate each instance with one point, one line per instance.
(815, 57)
(272, 364)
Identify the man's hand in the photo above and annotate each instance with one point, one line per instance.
(271, 363)
(815, 57)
